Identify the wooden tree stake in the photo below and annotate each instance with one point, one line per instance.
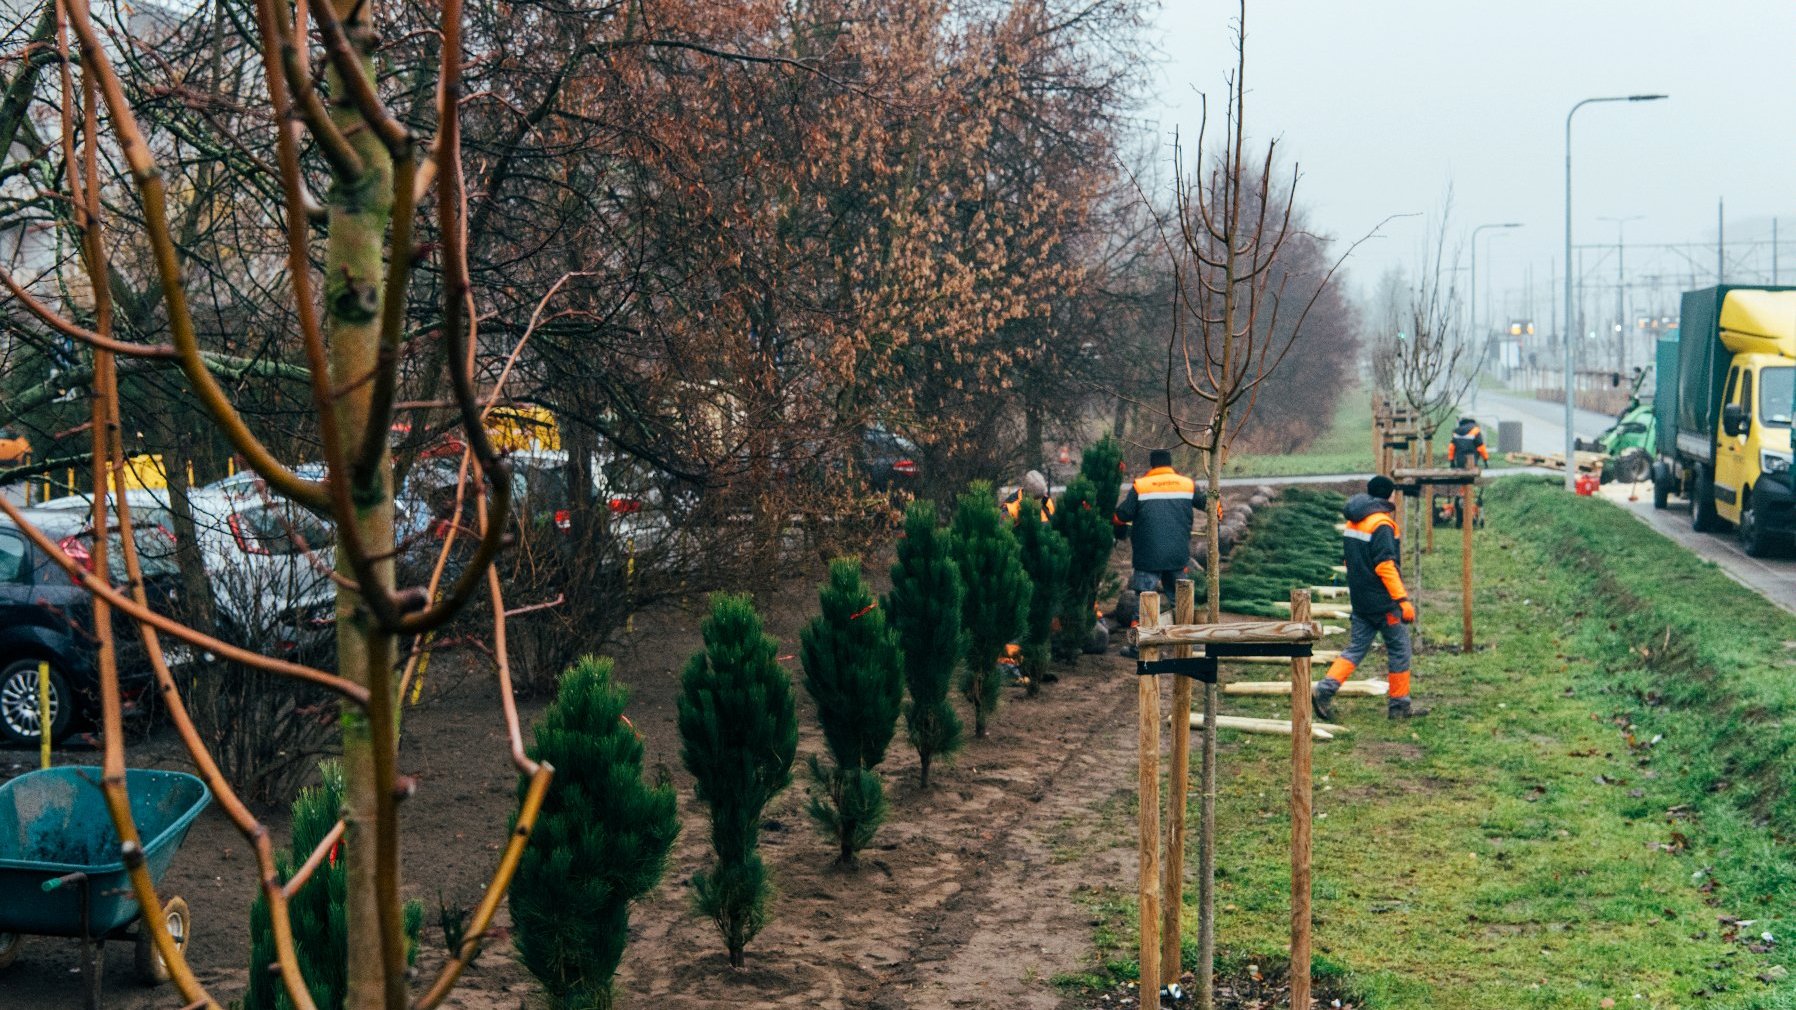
(1300, 815)
(1172, 895)
(1148, 791)
(1465, 567)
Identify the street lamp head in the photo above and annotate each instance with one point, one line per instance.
(1510, 224)
(1646, 98)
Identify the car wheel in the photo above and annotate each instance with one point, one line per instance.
(19, 703)
(1702, 504)
(1753, 538)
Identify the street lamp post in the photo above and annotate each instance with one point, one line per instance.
(1474, 298)
(1571, 456)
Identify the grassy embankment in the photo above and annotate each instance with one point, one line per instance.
(1345, 448)
(1598, 809)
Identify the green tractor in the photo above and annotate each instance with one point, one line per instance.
(1629, 442)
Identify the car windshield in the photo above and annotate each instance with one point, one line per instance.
(1777, 387)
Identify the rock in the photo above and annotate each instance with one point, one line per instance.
(1259, 501)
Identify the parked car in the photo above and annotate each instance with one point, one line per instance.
(268, 591)
(268, 561)
(46, 617)
(888, 460)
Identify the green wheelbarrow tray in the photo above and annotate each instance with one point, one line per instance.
(60, 872)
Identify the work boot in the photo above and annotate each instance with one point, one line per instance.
(1322, 698)
(1400, 708)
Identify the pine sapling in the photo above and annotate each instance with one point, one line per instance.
(1085, 525)
(1101, 463)
(600, 843)
(316, 911)
(924, 611)
(1046, 558)
(996, 606)
(739, 734)
(852, 672)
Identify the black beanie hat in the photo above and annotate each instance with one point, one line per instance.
(1159, 457)
(1381, 486)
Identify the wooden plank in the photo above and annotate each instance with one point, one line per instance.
(1338, 613)
(1277, 688)
(1267, 727)
(1330, 592)
(1235, 633)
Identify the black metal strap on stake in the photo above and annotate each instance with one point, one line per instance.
(1224, 650)
(1196, 667)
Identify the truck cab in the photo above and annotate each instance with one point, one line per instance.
(1730, 448)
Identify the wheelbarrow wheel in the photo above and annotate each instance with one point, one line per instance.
(9, 949)
(151, 969)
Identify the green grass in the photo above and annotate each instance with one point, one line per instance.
(1592, 792)
(1345, 448)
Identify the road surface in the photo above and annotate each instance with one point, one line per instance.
(1543, 423)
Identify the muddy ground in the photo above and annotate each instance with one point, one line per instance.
(971, 896)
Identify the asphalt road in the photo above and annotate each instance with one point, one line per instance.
(1543, 422)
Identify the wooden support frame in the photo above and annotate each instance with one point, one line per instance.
(1465, 480)
(1160, 884)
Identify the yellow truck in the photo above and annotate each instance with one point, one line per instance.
(1723, 418)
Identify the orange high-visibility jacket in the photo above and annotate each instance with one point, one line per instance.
(1156, 516)
(1013, 506)
(1468, 438)
(1372, 548)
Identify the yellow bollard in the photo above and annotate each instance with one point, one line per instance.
(423, 665)
(43, 712)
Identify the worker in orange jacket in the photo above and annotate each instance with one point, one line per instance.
(1380, 603)
(1467, 443)
(1035, 486)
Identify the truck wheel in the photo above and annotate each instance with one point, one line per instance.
(9, 949)
(1702, 504)
(1753, 538)
(1661, 487)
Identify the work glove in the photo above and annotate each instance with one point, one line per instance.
(1408, 610)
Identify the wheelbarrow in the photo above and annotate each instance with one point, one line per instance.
(60, 874)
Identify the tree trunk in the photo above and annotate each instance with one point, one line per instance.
(923, 772)
(360, 210)
(1032, 424)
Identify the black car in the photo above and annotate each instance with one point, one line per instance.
(47, 618)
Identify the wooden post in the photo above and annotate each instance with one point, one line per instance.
(1300, 815)
(1172, 894)
(1148, 792)
(1465, 567)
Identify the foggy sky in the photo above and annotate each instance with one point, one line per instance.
(1383, 102)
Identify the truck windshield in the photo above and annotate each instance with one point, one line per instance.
(1777, 386)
